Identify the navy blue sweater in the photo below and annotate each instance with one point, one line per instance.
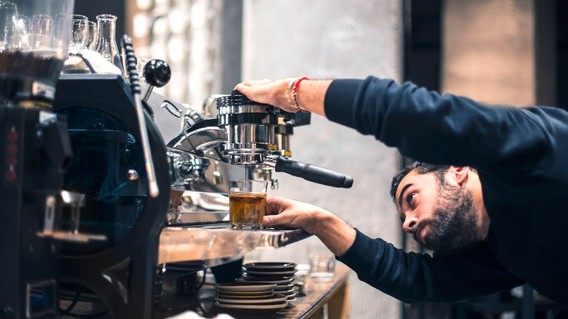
(521, 156)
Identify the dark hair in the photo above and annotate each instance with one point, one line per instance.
(421, 168)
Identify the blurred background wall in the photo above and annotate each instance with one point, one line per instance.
(343, 39)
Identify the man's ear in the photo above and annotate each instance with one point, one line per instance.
(459, 174)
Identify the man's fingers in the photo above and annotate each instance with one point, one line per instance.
(268, 221)
(275, 205)
(242, 86)
(277, 220)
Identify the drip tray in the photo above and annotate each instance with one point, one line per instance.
(215, 241)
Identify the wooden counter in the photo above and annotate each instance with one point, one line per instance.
(329, 300)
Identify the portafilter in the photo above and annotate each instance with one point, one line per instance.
(258, 134)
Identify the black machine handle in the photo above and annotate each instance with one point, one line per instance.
(135, 88)
(130, 65)
(313, 173)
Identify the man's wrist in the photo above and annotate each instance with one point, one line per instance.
(335, 233)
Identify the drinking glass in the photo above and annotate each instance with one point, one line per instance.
(322, 265)
(80, 33)
(23, 27)
(8, 26)
(41, 31)
(247, 204)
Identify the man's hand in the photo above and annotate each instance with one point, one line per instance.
(310, 94)
(288, 213)
(337, 235)
(275, 93)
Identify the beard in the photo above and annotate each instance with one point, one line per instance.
(453, 226)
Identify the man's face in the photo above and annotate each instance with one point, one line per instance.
(441, 217)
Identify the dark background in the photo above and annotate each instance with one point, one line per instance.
(423, 45)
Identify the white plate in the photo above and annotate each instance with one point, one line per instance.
(284, 287)
(245, 293)
(244, 287)
(253, 308)
(274, 280)
(274, 299)
(288, 292)
(281, 266)
(291, 297)
(271, 273)
(241, 296)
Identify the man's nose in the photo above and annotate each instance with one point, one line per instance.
(409, 223)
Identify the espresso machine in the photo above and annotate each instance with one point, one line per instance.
(93, 192)
(184, 229)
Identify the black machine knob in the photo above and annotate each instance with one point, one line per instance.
(157, 73)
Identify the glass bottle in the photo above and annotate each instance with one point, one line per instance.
(105, 41)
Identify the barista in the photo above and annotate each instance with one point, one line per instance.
(490, 204)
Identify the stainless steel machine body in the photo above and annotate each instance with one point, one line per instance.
(250, 127)
(244, 139)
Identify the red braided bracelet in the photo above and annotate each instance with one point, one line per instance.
(295, 88)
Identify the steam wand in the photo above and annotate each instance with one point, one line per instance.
(130, 64)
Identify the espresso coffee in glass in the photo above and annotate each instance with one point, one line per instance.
(247, 204)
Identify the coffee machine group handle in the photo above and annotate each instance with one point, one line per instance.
(313, 173)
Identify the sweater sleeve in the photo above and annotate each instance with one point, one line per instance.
(414, 277)
(424, 125)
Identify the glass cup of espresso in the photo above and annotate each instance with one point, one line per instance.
(247, 204)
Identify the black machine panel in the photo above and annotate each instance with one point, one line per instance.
(108, 167)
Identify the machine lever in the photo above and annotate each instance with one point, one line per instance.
(313, 173)
(156, 73)
(135, 88)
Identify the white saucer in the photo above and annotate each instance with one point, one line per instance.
(291, 297)
(288, 292)
(271, 273)
(278, 266)
(245, 287)
(264, 280)
(253, 308)
(242, 296)
(270, 300)
(285, 287)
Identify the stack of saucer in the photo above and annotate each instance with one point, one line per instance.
(280, 274)
(249, 297)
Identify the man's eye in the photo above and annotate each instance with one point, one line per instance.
(410, 199)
